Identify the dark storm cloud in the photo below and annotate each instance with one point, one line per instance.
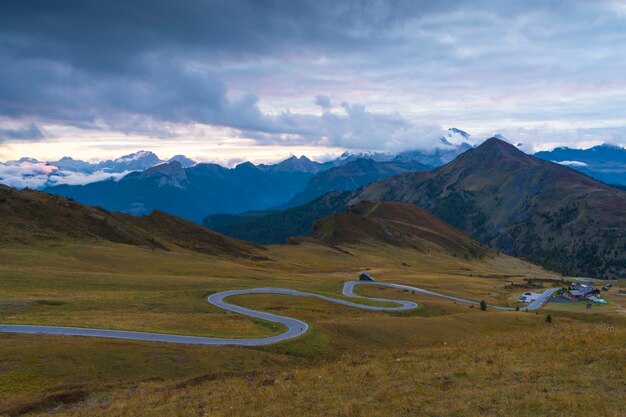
(128, 66)
(117, 36)
(84, 62)
(27, 133)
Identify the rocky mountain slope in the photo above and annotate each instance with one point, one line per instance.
(523, 206)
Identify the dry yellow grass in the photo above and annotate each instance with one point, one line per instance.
(125, 287)
(555, 370)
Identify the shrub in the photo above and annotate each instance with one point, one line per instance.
(483, 305)
(549, 318)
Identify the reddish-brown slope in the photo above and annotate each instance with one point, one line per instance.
(397, 224)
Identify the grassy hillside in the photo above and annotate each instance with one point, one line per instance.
(61, 277)
(513, 373)
(29, 216)
(119, 286)
(396, 224)
(98, 283)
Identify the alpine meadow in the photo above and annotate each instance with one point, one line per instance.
(312, 208)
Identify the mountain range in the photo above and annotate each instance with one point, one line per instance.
(197, 190)
(30, 173)
(523, 205)
(606, 163)
(513, 202)
(136, 161)
(132, 162)
(193, 192)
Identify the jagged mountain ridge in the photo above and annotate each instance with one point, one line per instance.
(192, 192)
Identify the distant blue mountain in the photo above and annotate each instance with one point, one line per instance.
(132, 162)
(294, 164)
(192, 192)
(603, 155)
(606, 163)
(350, 176)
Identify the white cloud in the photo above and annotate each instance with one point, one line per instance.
(30, 132)
(38, 175)
(572, 163)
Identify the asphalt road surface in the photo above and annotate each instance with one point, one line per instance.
(294, 327)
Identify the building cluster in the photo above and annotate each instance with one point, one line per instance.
(579, 292)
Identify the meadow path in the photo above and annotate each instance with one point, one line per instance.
(294, 327)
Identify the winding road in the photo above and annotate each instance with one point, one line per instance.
(294, 327)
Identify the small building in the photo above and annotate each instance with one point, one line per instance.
(583, 291)
(595, 299)
(365, 276)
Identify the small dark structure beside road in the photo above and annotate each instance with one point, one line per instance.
(365, 276)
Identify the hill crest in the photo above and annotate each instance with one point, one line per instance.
(396, 224)
(28, 216)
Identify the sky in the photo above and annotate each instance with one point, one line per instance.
(259, 80)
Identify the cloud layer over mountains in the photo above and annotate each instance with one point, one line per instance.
(381, 75)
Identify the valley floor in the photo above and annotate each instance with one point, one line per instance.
(444, 358)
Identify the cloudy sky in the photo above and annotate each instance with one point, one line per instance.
(221, 80)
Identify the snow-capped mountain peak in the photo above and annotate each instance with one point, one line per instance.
(136, 156)
(132, 162)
